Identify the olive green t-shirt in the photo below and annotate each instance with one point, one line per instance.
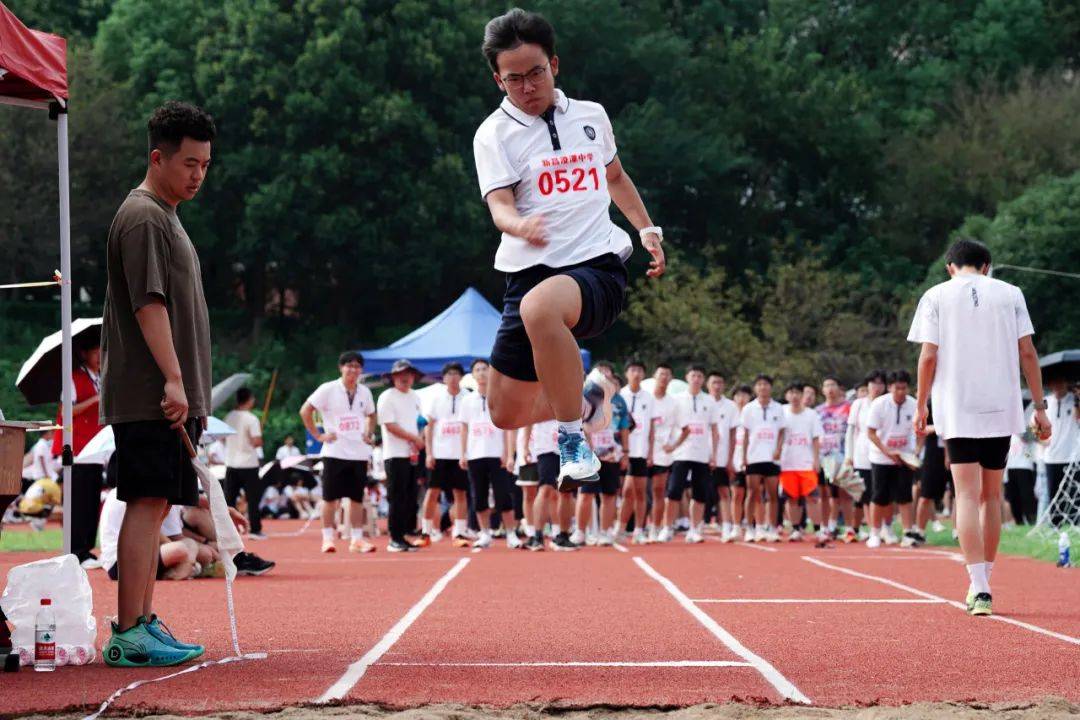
(150, 256)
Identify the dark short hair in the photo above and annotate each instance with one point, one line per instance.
(695, 368)
(835, 379)
(174, 121)
(966, 252)
(763, 376)
(350, 356)
(899, 376)
(744, 389)
(716, 373)
(477, 361)
(664, 366)
(453, 367)
(243, 395)
(812, 386)
(635, 363)
(604, 363)
(873, 375)
(794, 387)
(514, 29)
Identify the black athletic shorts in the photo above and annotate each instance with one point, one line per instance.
(448, 475)
(935, 477)
(765, 469)
(659, 470)
(739, 480)
(608, 484)
(720, 477)
(344, 479)
(891, 484)
(488, 475)
(151, 462)
(602, 281)
(639, 467)
(529, 475)
(114, 570)
(547, 469)
(868, 488)
(698, 475)
(990, 453)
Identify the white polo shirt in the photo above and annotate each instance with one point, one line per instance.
(239, 452)
(976, 322)
(1064, 444)
(859, 417)
(895, 425)
(698, 413)
(640, 406)
(557, 168)
(800, 429)
(402, 408)
(762, 425)
(727, 417)
(485, 440)
(664, 421)
(444, 413)
(346, 418)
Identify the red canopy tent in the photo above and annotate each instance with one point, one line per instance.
(33, 73)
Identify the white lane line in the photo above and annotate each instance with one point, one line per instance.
(613, 664)
(619, 547)
(783, 686)
(890, 558)
(351, 560)
(356, 671)
(828, 601)
(752, 546)
(931, 596)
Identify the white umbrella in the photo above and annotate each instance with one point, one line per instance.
(40, 379)
(102, 445)
(226, 389)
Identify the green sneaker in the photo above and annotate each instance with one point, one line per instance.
(981, 606)
(970, 601)
(136, 647)
(155, 627)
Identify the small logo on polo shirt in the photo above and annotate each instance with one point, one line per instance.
(590, 132)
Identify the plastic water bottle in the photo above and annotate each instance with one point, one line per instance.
(45, 638)
(1063, 549)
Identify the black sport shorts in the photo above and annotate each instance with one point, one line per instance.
(608, 484)
(448, 475)
(991, 453)
(638, 468)
(344, 479)
(151, 462)
(891, 484)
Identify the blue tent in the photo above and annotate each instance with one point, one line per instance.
(462, 332)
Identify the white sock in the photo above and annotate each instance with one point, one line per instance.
(358, 533)
(989, 570)
(570, 428)
(328, 533)
(425, 526)
(874, 532)
(460, 526)
(555, 529)
(980, 583)
(726, 527)
(530, 530)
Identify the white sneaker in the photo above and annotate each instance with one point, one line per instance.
(873, 542)
(863, 535)
(483, 541)
(773, 535)
(577, 537)
(908, 542)
(640, 538)
(693, 537)
(890, 538)
(604, 539)
(748, 535)
(760, 534)
(591, 539)
(471, 534)
(435, 536)
(795, 536)
(513, 541)
(665, 535)
(937, 526)
(578, 464)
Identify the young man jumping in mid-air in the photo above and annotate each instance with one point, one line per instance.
(548, 171)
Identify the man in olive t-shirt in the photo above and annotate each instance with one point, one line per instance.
(155, 371)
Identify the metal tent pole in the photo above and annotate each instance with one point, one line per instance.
(65, 311)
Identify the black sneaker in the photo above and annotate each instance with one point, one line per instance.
(396, 546)
(562, 543)
(535, 543)
(251, 564)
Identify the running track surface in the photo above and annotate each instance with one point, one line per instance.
(662, 625)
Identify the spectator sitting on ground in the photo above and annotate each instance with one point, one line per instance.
(176, 558)
(198, 525)
(275, 503)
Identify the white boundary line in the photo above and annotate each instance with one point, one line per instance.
(613, 664)
(754, 546)
(931, 596)
(826, 601)
(782, 685)
(357, 670)
(619, 547)
(892, 558)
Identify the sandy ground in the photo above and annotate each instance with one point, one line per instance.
(1047, 709)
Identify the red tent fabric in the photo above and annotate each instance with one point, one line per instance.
(33, 64)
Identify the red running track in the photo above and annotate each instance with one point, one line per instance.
(664, 625)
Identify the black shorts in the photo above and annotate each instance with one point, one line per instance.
(698, 475)
(868, 488)
(529, 475)
(608, 484)
(114, 570)
(639, 467)
(659, 470)
(448, 475)
(891, 484)
(765, 469)
(547, 469)
(990, 453)
(344, 479)
(151, 462)
(487, 475)
(739, 480)
(935, 477)
(720, 477)
(602, 281)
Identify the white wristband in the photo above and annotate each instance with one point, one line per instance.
(646, 231)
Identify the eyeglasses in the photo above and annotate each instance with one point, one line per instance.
(516, 81)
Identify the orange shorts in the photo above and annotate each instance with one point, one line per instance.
(799, 483)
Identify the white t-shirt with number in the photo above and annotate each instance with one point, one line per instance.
(345, 417)
(800, 429)
(640, 405)
(444, 411)
(727, 417)
(976, 322)
(859, 417)
(558, 170)
(606, 442)
(664, 423)
(895, 426)
(762, 425)
(698, 413)
(485, 440)
(239, 452)
(402, 408)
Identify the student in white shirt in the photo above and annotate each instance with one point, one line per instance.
(548, 170)
(663, 420)
(762, 419)
(348, 429)
(241, 461)
(727, 420)
(891, 431)
(693, 448)
(541, 445)
(639, 403)
(399, 416)
(42, 464)
(800, 459)
(741, 397)
(1020, 482)
(976, 337)
(1063, 445)
(442, 434)
(856, 446)
(288, 449)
